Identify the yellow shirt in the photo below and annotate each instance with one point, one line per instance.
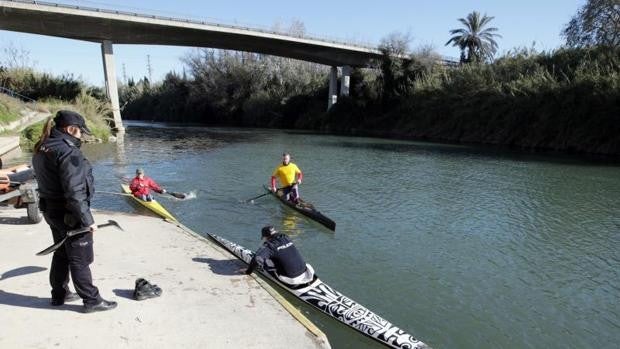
(286, 173)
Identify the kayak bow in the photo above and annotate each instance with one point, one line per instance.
(154, 206)
(305, 208)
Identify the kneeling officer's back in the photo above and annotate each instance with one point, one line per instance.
(279, 253)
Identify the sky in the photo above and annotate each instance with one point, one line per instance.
(523, 23)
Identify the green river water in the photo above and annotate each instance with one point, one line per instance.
(462, 247)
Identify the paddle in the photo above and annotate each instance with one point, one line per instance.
(267, 193)
(171, 193)
(177, 195)
(75, 232)
(260, 196)
(113, 193)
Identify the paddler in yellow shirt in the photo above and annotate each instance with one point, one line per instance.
(290, 177)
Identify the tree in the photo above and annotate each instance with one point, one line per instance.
(399, 69)
(477, 43)
(394, 47)
(16, 57)
(596, 23)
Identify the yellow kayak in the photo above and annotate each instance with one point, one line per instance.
(151, 205)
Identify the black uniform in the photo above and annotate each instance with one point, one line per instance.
(66, 187)
(286, 259)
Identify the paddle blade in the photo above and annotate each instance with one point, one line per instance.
(51, 248)
(178, 195)
(111, 223)
(256, 197)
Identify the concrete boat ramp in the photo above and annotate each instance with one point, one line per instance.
(205, 303)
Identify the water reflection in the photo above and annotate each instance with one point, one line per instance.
(120, 156)
(487, 151)
(290, 224)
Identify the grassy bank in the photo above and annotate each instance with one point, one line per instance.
(53, 93)
(94, 111)
(9, 109)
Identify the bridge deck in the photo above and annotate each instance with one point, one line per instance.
(97, 25)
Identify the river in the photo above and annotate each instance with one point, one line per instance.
(462, 247)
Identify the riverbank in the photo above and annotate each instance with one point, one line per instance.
(205, 302)
(564, 100)
(14, 117)
(25, 120)
(9, 148)
(10, 145)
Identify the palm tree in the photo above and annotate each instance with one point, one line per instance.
(475, 41)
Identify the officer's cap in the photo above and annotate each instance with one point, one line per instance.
(268, 231)
(70, 118)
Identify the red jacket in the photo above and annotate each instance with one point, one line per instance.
(143, 186)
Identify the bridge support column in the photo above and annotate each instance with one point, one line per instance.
(345, 80)
(332, 98)
(110, 83)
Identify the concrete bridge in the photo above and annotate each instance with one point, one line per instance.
(109, 27)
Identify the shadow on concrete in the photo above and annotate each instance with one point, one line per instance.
(21, 271)
(221, 267)
(14, 220)
(20, 300)
(125, 293)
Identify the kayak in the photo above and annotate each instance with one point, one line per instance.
(323, 297)
(154, 206)
(305, 208)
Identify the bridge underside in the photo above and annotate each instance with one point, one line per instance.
(111, 27)
(125, 29)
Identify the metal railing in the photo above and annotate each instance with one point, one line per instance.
(449, 61)
(14, 94)
(194, 21)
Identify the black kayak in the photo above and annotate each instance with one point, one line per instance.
(334, 304)
(305, 208)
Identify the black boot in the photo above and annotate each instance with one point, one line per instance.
(69, 297)
(101, 306)
(145, 289)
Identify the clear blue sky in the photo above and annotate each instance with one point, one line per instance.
(519, 22)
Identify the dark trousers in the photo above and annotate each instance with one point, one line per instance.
(73, 257)
(291, 192)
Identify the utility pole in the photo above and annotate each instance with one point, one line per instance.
(124, 74)
(149, 67)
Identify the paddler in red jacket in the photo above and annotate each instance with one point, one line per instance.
(141, 186)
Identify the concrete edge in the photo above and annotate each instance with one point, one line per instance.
(8, 143)
(301, 318)
(319, 335)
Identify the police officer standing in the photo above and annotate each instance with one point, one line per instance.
(66, 187)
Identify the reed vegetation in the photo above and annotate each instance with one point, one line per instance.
(568, 99)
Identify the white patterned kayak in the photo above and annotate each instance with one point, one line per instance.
(336, 305)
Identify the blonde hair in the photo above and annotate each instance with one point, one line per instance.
(45, 133)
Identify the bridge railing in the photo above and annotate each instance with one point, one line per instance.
(194, 21)
(448, 61)
(14, 94)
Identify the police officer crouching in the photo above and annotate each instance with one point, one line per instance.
(278, 255)
(66, 188)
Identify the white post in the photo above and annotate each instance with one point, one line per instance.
(345, 80)
(332, 98)
(110, 83)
